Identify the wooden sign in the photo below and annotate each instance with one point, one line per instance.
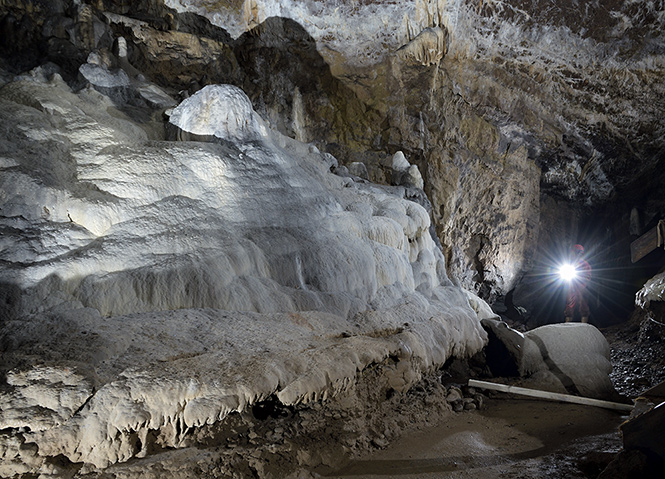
(648, 242)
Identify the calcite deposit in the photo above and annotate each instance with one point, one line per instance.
(161, 286)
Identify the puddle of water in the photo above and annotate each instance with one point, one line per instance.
(509, 438)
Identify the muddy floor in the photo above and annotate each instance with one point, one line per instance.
(523, 438)
(508, 438)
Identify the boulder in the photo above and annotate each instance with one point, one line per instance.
(570, 358)
(219, 111)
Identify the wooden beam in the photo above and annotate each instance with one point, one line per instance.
(645, 244)
(645, 432)
(550, 395)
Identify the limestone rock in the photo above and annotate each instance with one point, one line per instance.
(577, 355)
(455, 394)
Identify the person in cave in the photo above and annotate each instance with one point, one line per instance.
(576, 296)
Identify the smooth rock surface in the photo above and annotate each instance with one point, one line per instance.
(570, 358)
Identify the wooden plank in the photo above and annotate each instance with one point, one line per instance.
(645, 432)
(550, 395)
(644, 245)
(656, 392)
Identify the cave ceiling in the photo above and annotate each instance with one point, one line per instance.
(579, 83)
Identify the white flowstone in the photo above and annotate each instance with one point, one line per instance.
(222, 111)
(653, 290)
(152, 287)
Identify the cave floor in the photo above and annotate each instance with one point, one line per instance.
(514, 437)
(508, 438)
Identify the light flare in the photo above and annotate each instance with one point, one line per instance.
(567, 272)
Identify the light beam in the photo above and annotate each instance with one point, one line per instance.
(567, 272)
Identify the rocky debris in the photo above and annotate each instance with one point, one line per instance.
(464, 398)
(638, 367)
(632, 463)
(636, 352)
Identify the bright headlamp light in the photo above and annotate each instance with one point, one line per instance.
(567, 272)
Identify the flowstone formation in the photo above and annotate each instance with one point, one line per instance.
(151, 288)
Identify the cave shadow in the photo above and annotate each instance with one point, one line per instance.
(10, 301)
(282, 70)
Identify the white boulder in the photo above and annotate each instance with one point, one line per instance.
(569, 358)
(220, 111)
